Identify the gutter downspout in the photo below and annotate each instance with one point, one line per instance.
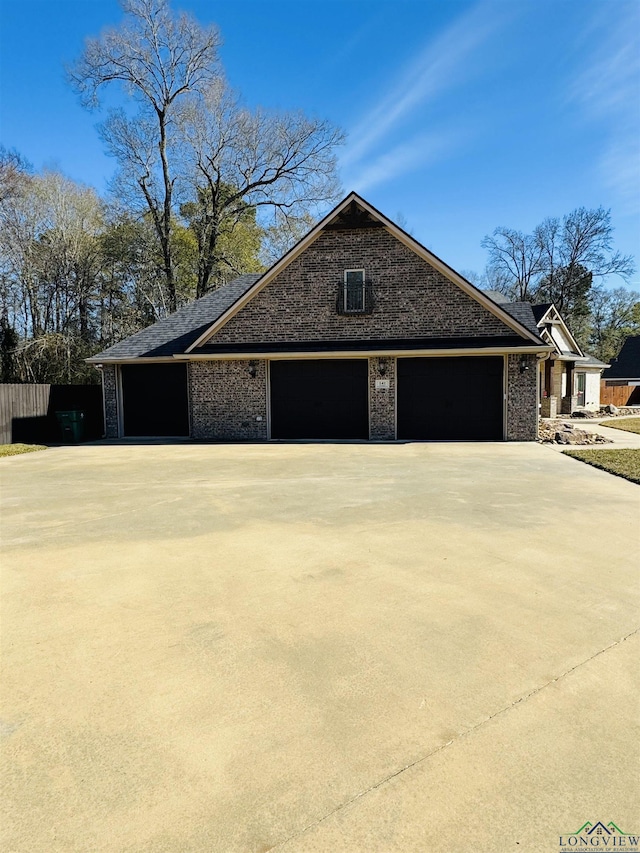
(98, 367)
(539, 359)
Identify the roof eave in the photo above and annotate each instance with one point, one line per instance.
(365, 353)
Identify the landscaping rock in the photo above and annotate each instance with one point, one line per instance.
(604, 411)
(559, 432)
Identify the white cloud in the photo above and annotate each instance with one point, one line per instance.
(608, 90)
(446, 61)
(418, 151)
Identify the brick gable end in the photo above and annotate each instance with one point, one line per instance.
(412, 298)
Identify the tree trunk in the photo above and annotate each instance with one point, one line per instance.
(165, 236)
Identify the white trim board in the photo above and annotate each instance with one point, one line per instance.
(434, 353)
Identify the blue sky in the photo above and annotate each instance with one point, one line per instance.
(461, 116)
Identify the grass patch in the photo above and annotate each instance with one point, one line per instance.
(627, 424)
(17, 449)
(623, 463)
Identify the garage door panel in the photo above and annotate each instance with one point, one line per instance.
(451, 399)
(319, 398)
(155, 400)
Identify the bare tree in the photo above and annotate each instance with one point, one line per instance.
(50, 263)
(14, 172)
(558, 262)
(515, 262)
(581, 242)
(158, 57)
(578, 251)
(280, 163)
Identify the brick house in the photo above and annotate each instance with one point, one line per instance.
(569, 378)
(358, 332)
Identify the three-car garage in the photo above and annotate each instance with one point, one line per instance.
(453, 398)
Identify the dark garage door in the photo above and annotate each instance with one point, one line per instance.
(319, 398)
(154, 398)
(451, 399)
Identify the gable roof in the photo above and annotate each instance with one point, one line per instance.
(547, 315)
(173, 334)
(534, 316)
(368, 211)
(627, 364)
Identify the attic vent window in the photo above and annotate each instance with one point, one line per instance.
(355, 295)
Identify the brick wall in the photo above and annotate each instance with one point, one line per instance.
(522, 399)
(110, 400)
(412, 299)
(226, 400)
(382, 403)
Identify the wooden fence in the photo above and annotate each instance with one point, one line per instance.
(28, 412)
(619, 395)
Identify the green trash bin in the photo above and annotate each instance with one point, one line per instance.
(71, 425)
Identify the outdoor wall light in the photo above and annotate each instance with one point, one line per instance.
(382, 367)
(252, 370)
(524, 366)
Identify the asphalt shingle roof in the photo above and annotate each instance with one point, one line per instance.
(175, 333)
(523, 312)
(627, 364)
(590, 361)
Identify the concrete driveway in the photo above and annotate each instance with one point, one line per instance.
(316, 648)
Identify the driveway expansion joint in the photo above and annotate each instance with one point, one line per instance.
(444, 746)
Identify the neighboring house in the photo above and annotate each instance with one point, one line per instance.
(624, 373)
(358, 332)
(569, 379)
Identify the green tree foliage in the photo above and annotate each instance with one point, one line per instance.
(615, 314)
(225, 245)
(569, 289)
